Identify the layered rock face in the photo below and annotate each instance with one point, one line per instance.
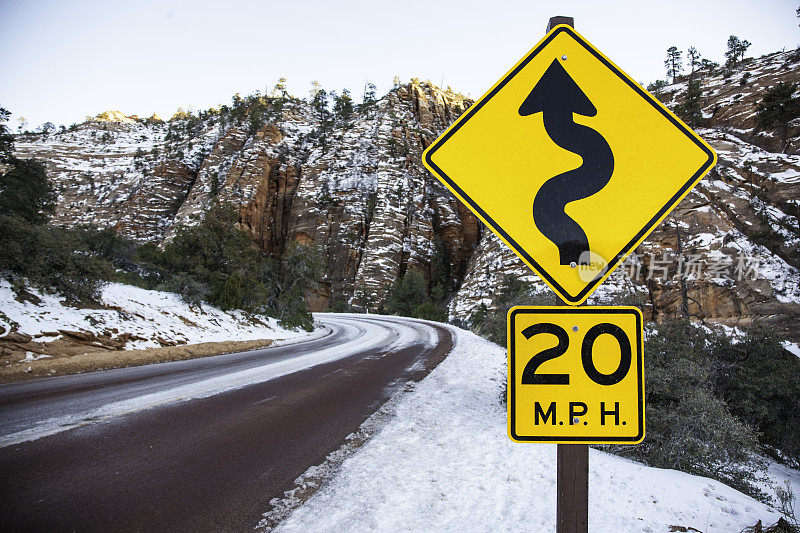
(356, 188)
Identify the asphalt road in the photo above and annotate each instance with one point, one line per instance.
(199, 445)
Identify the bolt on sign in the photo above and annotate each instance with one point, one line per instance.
(575, 375)
(570, 162)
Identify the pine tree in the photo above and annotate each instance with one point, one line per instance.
(6, 139)
(656, 86)
(368, 100)
(736, 50)
(732, 54)
(319, 103)
(710, 66)
(694, 61)
(343, 106)
(691, 111)
(777, 109)
(743, 46)
(408, 293)
(238, 108)
(673, 63)
(26, 192)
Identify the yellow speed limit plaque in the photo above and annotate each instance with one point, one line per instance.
(575, 375)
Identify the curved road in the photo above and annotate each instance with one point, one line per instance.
(199, 445)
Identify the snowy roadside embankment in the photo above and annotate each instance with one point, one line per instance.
(149, 318)
(443, 461)
(42, 337)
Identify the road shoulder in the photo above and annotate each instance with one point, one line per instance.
(106, 360)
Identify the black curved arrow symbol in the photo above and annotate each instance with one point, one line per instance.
(558, 97)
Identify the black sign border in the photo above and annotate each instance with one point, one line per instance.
(512, 372)
(496, 227)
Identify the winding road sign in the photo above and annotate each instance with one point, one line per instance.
(570, 162)
(575, 375)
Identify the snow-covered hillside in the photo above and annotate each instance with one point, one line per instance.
(729, 96)
(130, 318)
(443, 462)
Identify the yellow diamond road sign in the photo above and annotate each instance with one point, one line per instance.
(570, 162)
(575, 375)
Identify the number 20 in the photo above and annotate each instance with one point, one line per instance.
(530, 377)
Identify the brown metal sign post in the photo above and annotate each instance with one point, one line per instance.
(572, 489)
(555, 21)
(572, 460)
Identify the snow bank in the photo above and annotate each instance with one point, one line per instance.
(444, 462)
(148, 315)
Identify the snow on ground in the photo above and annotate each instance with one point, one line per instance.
(444, 462)
(148, 315)
(792, 347)
(781, 475)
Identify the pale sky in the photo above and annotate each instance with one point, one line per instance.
(61, 61)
